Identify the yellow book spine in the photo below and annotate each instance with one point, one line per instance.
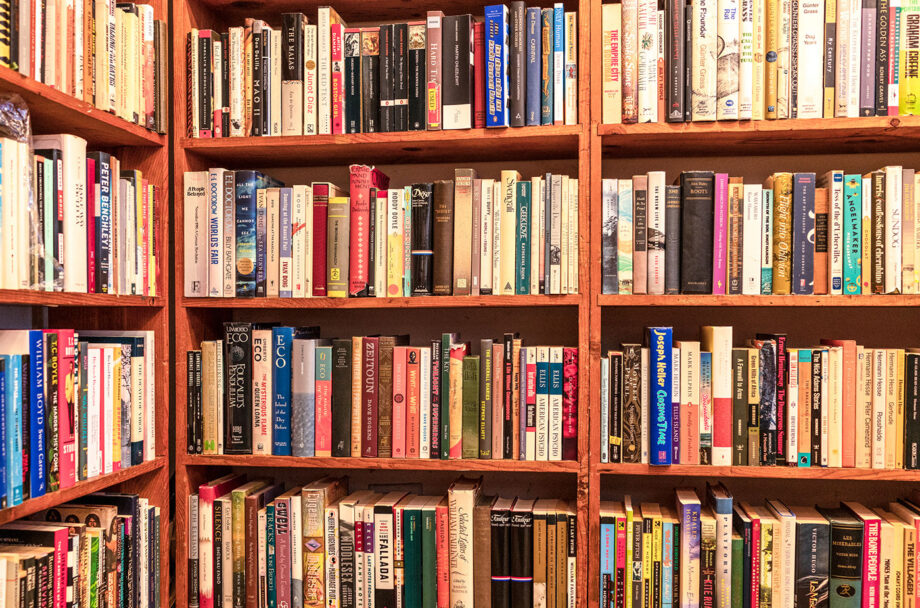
(771, 41)
(830, 22)
(646, 562)
(116, 408)
(395, 243)
(891, 406)
(899, 412)
(337, 235)
(909, 79)
(782, 233)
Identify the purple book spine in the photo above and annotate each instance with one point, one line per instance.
(720, 234)
(522, 451)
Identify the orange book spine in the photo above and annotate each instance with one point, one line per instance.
(413, 399)
(399, 401)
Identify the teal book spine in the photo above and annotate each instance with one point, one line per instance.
(270, 555)
(412, 558)
(852, 234)
(522, 249)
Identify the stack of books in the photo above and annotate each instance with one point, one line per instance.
(247, 235)
(724, 552)
(836, 404)
(100, 550)
(73, 406)
(287, 392)
(258, 543)
(113, 55)
(75, 221)
(795, 233)
(758, 60)
(515, 67)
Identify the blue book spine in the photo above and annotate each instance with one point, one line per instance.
(104, 234)
(660, 339)
(608, 561)
(542, 383)
(4, 375)
(546, 88)
(37, 414)
(246, 233)
(284, 289)
(852, 234)
(534, 58)
(558, 61)
(497, 31)
(270, 554)
(803, 231)
(282, 342)
(522, 258)
(13, 428)
(675, 405)
(667, 564)
(805, 357)
(766, 268)
(522, 454)
(605, 409)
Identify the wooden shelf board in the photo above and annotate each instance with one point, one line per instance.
(82, 488)
(737, 138)
(53, 111)
(792, 301)
(401, 464)
(385, 303)
(24, 297)
(777, 472)
(523, 143)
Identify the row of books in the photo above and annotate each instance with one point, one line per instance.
(111, 54)
(74, 220)
(100, 550)
(285, 391)
(247, 235)
(515, 67)
(722, 552)
(318, 544)
(756, 60)
(837, 233)
(836, 404)
(73, 406)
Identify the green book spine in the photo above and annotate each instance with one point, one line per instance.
(429, 560)
(94, 572)
(522, 251)
(485, 399)
(445, 396)
(737, 570)
(470, 405)
(238, 546)
(270, 553)
(412, 558)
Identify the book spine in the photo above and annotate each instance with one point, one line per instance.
(400, 67)
(417, 94)
(352, 81)
(672, 212)
(803, 225)
(533, 65)
(660, 408)
(516, 64)
(433, 54)
(546, 75)
(868, 58)
(497, 68)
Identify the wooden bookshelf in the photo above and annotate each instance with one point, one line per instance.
(880, 301)
(396, 464)
(775, 472)
(365, 303)
(53, 111)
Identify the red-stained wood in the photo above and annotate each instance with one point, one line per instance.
(868, 301)
(388, 303)
(17, 297)
(775, 472)
(402, 464)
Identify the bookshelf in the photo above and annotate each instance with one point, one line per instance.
(53, 111)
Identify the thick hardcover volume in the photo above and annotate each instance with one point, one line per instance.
(846, 558)
(418, 111)
(675, 45)
(500, 557)
(803, 250)
(570, 404)
(386, 77)
(433, 54)
(362, 179)
(812, 570)
(399, 48)
(370, 79)
(704, 63)
(386, 345)
(532, 61)
(735, 234)
(660, 422)
(457, 81)
(517, 77)
(341, 398)
(352, 53)
(443, 233)
(338, 220)
(521, 554)
(422, 200)
(497, 31)
(782, 232)
(546, 74)
(238, 388)
(370, 370)
(470, 407)
(696, 230)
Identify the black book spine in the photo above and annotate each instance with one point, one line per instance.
(353, 81)
(14, 34)
(517, 84)
(256, 81)
(225, 83)
(845, 558)
(341, 398)
(637, 594)
(422, 239)
(387, 77)
(418, 108)
(672, 240)
(768, 412)
(675, 67)
(292, 39)
(206, 83)
(912, 411)
(782, 360)
(816, 370)
(696, 232)
(616, 407)
(883, 46)
(370, 79)
(688, 52)
(400, 64)
(500, 558)
(521, 559)
(740, 414)
(508, 371)
(267, 91)
(812, 570)
(238, 388)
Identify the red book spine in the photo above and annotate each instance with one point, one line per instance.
(530, 396)
(870, 590)
(320, 209)
(399, 401)
(479, 75)
(755, 563)
(67, 409)
(337, 32)
(91, 204)
(369, 378)
(443, 553)
(60, 568)
(570, 404)
(361, 179)
(413, 400)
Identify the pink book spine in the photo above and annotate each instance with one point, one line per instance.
(443, 553)
(60, 568)
(570, 404)
(720, 234)
(870, 590)
(498, 419)
(413, 400)
(91, 204)
(66, 409)
(755, 562)
(530, 386)
(399, 401)
(337, 33)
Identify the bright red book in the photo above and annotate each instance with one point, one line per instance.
(570, 404)
(413, 402)
(479, 75)
(91, 204)
(369, 357)
(399, 401)
(207, 494)
(361, 179)
(442, 541)
(337, 33)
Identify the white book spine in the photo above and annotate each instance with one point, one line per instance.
(555, 406)
(108, 376)
(878, 408)
(195, 214)
(485, 237)
(564, 237)
(842, 59)
(215, 233)
(864, 387)
(644, 382)
(331, 536)
(792, 404)
(559, 65)
(835, 229)
(758, 70)
(541, 443)
(810, 62)
(93, 398)
(853, 57)
(508, 210)
(150, 395)
(656, 232)
(752, 234)
(783, 59)
(496, 236)
(309, 80)
(425, 402)
(728, 103)
(704, 60)
(571, 68)
(605, 409)
(297, 546)
(324, 71)
(648, 61)
(299, 240)
(766, 244)
(273, 243)
(624, 236)
(573, 236)
(893, 191)
(9, 220)
(835, 416)
(75, 222)
(380, 246)
(274, 113)
(237, 106)
(746, 63)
